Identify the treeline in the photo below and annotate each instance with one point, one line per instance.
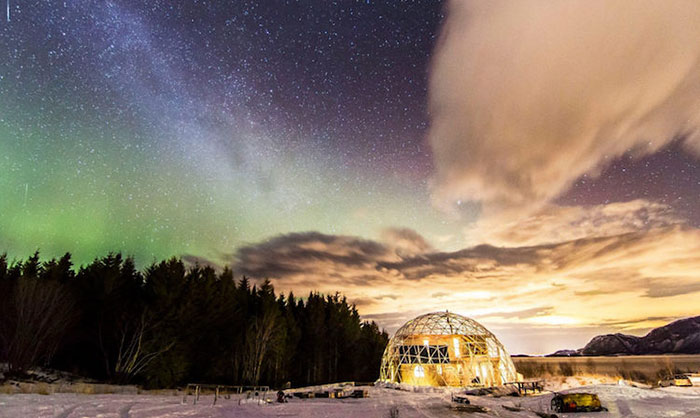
(172, 324)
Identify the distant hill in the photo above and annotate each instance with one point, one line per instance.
(678, 337)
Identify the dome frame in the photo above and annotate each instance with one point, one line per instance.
(446, 349)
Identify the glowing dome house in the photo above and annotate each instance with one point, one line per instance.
(445, 349)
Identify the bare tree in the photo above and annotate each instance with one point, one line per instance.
(259, 339)
(137, 347)
(34, 322)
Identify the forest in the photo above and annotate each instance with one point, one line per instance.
(173, 324)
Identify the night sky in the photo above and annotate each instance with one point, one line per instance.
(158, 129)
(240, 132)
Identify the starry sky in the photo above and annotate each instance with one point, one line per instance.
(410, 154)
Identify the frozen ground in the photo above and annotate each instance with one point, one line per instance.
(623, 401)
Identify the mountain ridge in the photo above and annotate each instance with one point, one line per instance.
(678, 337)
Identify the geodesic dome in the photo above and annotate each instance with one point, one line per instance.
(446, 349)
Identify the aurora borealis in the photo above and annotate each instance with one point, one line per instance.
(353, 146)
(193, 129)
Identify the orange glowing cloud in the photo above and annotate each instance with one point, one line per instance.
(587, 282)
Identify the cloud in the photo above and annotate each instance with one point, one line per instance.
(525, 313)
(584, 282)
(302, 256)
(527, 96)
(366, 301)
(405, 241)
(659, 288)
(475, 262)
(565, 223)
(328, 260)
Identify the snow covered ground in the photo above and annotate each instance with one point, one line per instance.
(622, 401)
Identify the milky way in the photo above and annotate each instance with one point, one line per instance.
(158, 129)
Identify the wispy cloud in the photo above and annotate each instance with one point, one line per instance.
(555, 223)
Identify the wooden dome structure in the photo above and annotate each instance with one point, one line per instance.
(446, 349)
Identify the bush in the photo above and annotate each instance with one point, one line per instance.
(566, 369)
